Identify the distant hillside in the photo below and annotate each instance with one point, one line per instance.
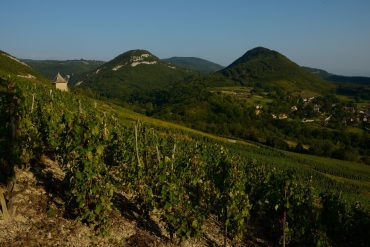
(49, 68)
(261, 65)
(319, 72)
(360, 80)
(10, 65)
(129, 74)
(194, 63)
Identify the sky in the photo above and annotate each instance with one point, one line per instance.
(329, 34)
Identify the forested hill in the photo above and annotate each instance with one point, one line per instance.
(194, 63)
(262, 65)
(49, 68)
(129, 74)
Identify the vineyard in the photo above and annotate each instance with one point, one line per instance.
(185, 178)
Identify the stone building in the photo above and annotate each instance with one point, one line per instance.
(60, 83)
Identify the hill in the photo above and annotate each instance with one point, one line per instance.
(49, 68)
(10, 65)
(359, 80)
(129, 74)
(262, 65)
(194, 63)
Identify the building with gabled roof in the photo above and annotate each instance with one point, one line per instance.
(60, 82)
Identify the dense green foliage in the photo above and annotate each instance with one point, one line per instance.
(185, 182)
(49, 68)
(358, 92)
(194, 63)
(191, 103)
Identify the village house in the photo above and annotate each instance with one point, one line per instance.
(350, 109)
(304, 120)
(258, 110)
(60, 83)
(316, 108)
(283, 116)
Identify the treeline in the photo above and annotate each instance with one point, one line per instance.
(358, 91)
(185, 182)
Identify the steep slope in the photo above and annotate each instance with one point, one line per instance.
(49, 68)
(194, 63)
(10, 65)
(261, 65)
(130, 73)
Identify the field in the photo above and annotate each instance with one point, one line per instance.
(244, 93)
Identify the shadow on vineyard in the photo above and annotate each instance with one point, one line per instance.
(106, 176)
(130, 211)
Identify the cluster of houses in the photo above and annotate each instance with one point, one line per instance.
(354, 117)
(281, 116)
(357, 116)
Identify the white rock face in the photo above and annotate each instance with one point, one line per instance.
(134, 61)
(133, 64)
(79, 83)
(13, 58)
(97, 71)
(172, 67)
(117, 67)
(28, 76)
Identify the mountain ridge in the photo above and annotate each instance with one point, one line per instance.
(195, 63)
(72, 67)
(361, 80)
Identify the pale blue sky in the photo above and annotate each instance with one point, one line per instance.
(329, 34)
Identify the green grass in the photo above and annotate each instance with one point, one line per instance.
(355, 130)
(243, 93)
(128, 117)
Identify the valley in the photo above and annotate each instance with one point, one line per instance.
(177, 143)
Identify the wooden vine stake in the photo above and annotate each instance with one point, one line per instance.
(4, 214)
(79, 107)
(105, 126)
(33, 102)
(137, 145)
